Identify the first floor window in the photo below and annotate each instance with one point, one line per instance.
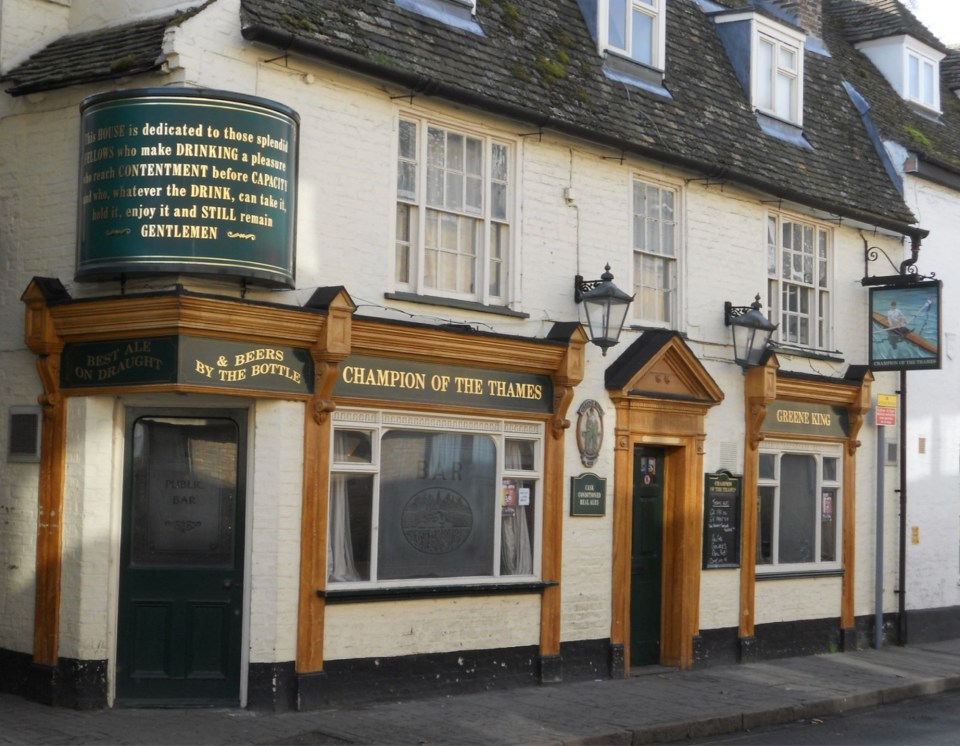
(800, 278)
(453, 212)
(655, 253)
(799, 507)
(419, 498)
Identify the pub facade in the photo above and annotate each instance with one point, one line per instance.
(301, 410)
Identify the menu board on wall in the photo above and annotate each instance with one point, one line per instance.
(721, 520)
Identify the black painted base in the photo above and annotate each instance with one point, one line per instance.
(79, 685)
(785, 639)
(933, 625)
(417, 676)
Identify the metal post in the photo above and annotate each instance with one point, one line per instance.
(878, 586)
(902, 591)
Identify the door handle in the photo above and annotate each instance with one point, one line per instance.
(227, 584)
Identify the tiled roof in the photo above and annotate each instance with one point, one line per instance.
(866, 20)
(102, 54)
(538, 62)
(950, 69)
(934, 139)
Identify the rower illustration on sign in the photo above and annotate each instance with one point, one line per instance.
(905, 327)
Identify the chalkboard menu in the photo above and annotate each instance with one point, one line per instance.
(721, 520)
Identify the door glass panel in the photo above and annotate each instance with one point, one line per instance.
(184, 492)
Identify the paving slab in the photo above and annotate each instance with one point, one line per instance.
(661, 706)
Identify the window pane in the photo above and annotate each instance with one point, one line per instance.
(788, 58)
(405, 227)
(913, 77)
(828, 525)
(438, 495)
(829, 469)
(617, 24)
(408, 140)
(765, 509)
(767, 465)
(352, 446)
(928, 83)
(642, 41)
(765, 75)
(351, 509)
(798, 508)
(786, 86)
(516, 526)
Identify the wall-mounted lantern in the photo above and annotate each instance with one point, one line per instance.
(751, 332)
(606, 308)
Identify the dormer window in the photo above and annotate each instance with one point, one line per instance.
(767, 57)
(777, 74)
(634, 28)
(910, 66)
(460, 14)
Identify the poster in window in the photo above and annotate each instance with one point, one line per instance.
(905, 327)
(827, 507)
(510, 497)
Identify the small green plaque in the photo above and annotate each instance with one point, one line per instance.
(588, 495)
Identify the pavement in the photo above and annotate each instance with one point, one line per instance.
(659, 705)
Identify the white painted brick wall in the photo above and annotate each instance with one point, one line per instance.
(933, 492)
(90, 545)
(27, 26)
(274, 534)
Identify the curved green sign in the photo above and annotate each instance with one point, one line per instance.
(187, 181)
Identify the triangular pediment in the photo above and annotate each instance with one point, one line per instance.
(660, 365)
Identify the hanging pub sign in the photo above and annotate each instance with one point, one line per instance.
(182, 180)
(905, 327)
(721, 520)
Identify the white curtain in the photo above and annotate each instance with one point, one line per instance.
(340, 564)
(516, 552)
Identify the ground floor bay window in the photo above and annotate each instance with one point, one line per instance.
(799, 507)
(424, 499)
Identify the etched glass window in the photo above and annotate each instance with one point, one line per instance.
(432, 505)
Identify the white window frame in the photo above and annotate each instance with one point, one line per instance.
(654, 10)
(819, 451)
(782, 41)
(922, 89)
(810, 297)
(489, 287)
(642, 249)
(378, 423)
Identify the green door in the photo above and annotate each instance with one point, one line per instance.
(646, 556)
(181, 576)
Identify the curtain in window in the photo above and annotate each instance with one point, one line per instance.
(340, 563)
(516, 552)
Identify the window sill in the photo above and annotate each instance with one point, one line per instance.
(353, 595)
(456, 13)
(782, 130)
(789, 575)
(784, 348)
(467, 305)
(629, 71)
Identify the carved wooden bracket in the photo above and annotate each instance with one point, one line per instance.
(562, 397)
